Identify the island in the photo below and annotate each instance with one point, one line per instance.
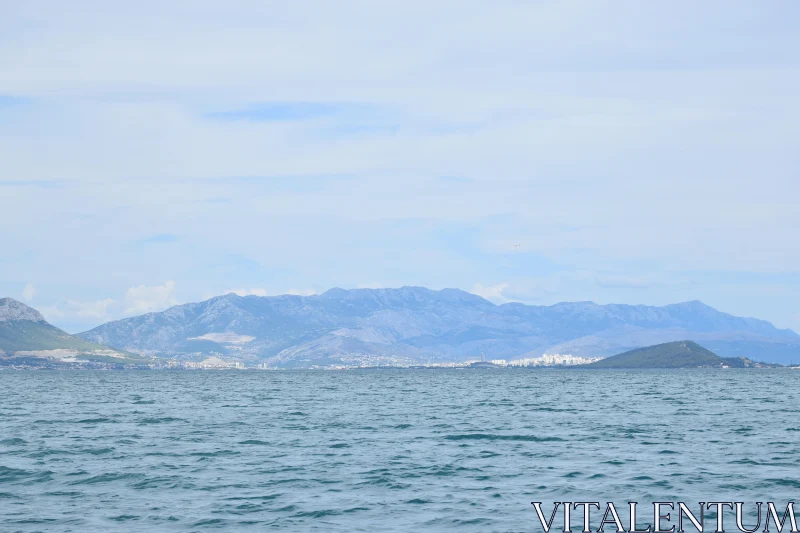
(678, 354)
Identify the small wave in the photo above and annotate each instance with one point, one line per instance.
(106, 478)
(218, 453)
(9, 475)
(268, 497)
(46, 453)
(744, 462)
(162, 420)
(471, 522)
(318, 514)
(97, 451)
(36, 521)
(208, 522)
(13, 442)
(124, 518)
(490, 436)
(165, 482)
(287, 509)
(785, 482)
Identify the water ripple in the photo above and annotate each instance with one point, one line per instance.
(388, 450)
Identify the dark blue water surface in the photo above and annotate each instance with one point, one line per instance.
(383, 450)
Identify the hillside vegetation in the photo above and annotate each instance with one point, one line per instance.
(680, 354)
(25, 336)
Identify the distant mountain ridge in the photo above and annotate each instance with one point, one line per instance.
(412, 324)
(25, 337)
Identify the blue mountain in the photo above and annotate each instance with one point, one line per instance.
(412, 324)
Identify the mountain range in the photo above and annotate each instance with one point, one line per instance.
(25, 336)
(415, 324)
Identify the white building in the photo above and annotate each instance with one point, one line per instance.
(555, 359)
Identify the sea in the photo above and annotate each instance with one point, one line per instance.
(374, 450)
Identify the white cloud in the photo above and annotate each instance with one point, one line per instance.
(98, 309)
(144, 299)
(51, 312)
(248, 292)
(28, 292)
(137, 300)
(264, 292)
(591, 149)
(522, 290)
(493, 293)
(94, 309)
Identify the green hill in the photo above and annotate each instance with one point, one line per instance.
(31, 336)
(680, 354)
(25, 335)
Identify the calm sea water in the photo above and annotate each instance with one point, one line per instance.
(383, 450)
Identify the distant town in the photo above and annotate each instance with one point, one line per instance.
(376, 362)
(216, 363)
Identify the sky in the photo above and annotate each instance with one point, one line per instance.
(155, 153)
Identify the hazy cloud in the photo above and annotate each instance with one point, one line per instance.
(524, 291)
(144, 299)
(498, 124)
(493, 293)
(96, 310)
(265, 292)
(248, 292)
(28, 292)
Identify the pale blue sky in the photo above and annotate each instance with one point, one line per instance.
(155, 153)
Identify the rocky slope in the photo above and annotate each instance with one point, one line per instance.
(379, 326)
(11, 310)
(26, 336)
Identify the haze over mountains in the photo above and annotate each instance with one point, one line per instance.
(414, 324)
